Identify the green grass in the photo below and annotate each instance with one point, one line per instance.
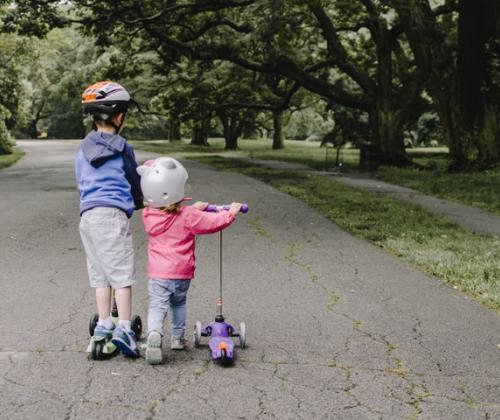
(480, 189)
(308, 153)
(467, 261)
(8, 160)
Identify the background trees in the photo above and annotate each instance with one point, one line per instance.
(382, 66)
(460, 59)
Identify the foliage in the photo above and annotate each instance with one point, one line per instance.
(459, 75)
(15, 53)
(65, 63)
(309, 123)
(427, 131)
(332, 50)
(377, 62)
(5, 137)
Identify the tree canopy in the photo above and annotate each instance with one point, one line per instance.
(381, 68)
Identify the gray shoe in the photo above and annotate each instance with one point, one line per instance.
(178, 343)
(154, 353)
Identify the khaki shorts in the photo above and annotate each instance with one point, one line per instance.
(107, 239)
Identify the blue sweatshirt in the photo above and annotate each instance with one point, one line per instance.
(106, 173)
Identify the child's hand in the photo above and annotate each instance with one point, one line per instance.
(235, 208)
(200, 205)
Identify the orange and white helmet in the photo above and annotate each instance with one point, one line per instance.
(106, 98)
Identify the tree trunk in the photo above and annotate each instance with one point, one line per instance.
(174, 131)
(232, 142)
(386, 126)
(248, 131)
(458, 87)
(232, 133)
(232, 130)
(278, 142)
(200, 132)
(477, 25)
(469, 146)
(33, 131)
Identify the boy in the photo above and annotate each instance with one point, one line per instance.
(110, 191)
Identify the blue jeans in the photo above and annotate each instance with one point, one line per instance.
(162, 295)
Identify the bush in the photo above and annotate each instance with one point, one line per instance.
(5, 137)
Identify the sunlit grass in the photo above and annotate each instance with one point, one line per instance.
(8, 160)
(307, 153)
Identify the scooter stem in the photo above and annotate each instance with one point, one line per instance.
(220, 317)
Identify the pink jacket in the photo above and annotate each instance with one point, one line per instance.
(171, 239)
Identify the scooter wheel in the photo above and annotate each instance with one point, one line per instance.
(136, 326)
(97, 350)
(224, 359)
(243, 335)
(197, 334)
(93, 323)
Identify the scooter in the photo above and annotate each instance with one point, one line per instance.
(101, 348)
(219, 331)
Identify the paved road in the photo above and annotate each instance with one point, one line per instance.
(336, 327)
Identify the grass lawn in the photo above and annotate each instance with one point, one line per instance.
(8, 160)
(480, 189)
(308, 153)
(467, 261)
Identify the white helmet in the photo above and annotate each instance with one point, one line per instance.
(163, 181)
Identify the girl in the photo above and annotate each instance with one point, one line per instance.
(171, 230)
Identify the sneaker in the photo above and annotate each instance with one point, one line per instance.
(178, 343)
(101, 331)
(125, 341)
(154, 353)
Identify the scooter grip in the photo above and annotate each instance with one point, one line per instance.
(214, 208)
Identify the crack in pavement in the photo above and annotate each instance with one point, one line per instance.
(418, 391)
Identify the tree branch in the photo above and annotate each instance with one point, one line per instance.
(446, 8)
(196, 7)
(216, 23)
(337, 50)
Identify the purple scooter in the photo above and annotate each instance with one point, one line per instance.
(220, 332)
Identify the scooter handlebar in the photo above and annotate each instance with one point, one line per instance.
(215, 208)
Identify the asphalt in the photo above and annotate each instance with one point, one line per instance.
(336, 328)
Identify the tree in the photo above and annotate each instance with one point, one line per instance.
(301, 41)
(61, 66)
(460, 77)
(14, 54)
(5, 137)
(342, 51)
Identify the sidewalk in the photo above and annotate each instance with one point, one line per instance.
(470, 218)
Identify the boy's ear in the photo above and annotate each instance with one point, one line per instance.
(141, 169)
(118, 118)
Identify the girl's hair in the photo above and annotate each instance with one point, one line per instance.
(172, 208)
